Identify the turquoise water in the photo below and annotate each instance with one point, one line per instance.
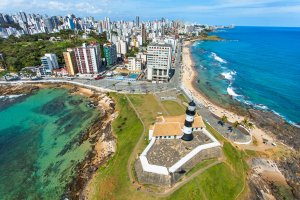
(257, 66)
(41, 144)
(134, 76)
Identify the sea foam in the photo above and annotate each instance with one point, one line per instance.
(217, 58)
(231, 92)
(11, 96)
(229, 75)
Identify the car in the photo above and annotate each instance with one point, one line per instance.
(98, 77)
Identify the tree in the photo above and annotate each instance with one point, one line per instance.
(250, 126)
(235, 124)
(224, 119)
(245, 122)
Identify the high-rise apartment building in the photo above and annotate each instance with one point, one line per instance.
(70, 62)
(134, 64)
(49, 62)
(137, 21)
(121, 47)
(88, 58)
(158, 62)
(110, 53)
(144, 34)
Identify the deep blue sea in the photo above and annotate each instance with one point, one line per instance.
(258, 66)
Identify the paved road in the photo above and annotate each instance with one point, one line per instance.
(139, 87)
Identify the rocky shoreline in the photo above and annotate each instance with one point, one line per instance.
(17, 89)
(103, 142)
(99, 134)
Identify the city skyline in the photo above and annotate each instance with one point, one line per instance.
(244, 13)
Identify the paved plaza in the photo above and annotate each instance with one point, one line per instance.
(166, 152)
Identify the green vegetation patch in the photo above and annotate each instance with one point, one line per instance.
(148, 108)
(215, 133)
(222, 181)
(173, 108)
(201, 165)
(111, 180)
(182, 98)
(28, 49)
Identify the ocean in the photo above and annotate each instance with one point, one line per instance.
(41, 143)
(258, 67)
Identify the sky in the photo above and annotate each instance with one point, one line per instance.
(214, 12)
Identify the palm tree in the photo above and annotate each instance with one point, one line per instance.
(245, 122)
(235, 125)
(224, 119)
(250, 126)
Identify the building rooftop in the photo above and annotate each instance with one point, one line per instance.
(172, 125)
(160, 45)
(167, 129)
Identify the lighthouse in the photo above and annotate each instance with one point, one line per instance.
(189, 119)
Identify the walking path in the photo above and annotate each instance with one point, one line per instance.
(135, 150)
(177, 185)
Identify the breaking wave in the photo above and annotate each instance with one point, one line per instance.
(231, 92)
(217, 58)
(11, 96)
(229, 75)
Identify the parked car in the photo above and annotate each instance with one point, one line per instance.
(99, 77)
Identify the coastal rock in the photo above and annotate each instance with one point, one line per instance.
(17, 89)
(290, 167)
(104, 145)
(271, 122)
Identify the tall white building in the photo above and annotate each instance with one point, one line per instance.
(121, 47)
(88, 58)
(134, 64)
(142, 56)
(49, 62)
(158, 62)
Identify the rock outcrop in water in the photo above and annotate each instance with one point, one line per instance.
(17, 89)
(104, 144)
(271, 122)
(99, 134)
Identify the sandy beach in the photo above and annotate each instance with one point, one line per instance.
(188, 79)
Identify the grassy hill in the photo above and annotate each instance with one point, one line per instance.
(223, 181)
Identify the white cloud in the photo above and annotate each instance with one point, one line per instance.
(98, 7)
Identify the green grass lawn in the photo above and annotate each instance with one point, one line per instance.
(148, 108)
(223, 181)
(215, 133)
(200, 166)
(111, 180)
(173, 107)
(182, 98)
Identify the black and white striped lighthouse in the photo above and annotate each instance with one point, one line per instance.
(189, 119)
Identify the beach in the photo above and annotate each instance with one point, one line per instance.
(189, 76)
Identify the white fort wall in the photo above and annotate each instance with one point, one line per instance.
(147, 167)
